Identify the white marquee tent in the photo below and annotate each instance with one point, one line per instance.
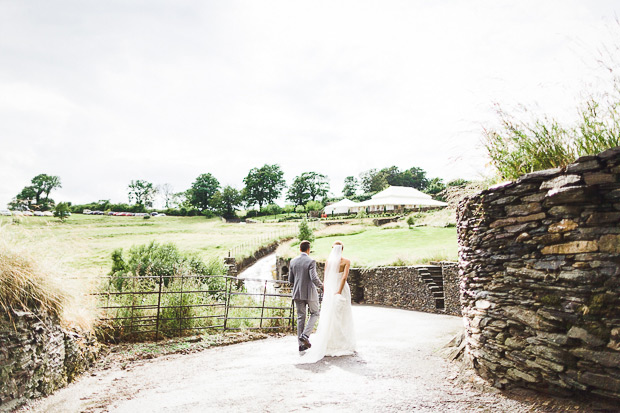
(397, 197)
(340, 207)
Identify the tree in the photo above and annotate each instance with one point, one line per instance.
(44, 184)
(318, 185)
(202, 190)
(435, 186)
(263, 185)
(414, 178)
(350, 187)
(298, 192)
(226, 201)
(142, 192)
(167, 192)
(373, 181)
(313, 206)
(62, 211)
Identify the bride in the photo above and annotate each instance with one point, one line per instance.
(335, 334)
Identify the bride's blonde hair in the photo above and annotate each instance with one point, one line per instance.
(338, 243)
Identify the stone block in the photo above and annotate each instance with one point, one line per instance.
(583, 335)
(601, 381)
(564, 225)
(523, 209)
(610, 244)
(567, 195)
(561, 181)
(521, 375)
(583, 166)
(603, 218)
(604, 358)
(502, 222)
(610, 153)
(574, 247)
(613, 195)
(596, 178)
(565, 211)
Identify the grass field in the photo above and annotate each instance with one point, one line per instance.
(387, 246)
(84, 243)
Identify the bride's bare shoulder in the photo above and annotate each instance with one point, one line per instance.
(344, 260)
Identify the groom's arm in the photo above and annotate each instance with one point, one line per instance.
(313, 275)
(291, 274)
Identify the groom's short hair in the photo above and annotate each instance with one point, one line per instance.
(304, 246)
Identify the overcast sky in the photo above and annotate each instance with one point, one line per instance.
(103, 92)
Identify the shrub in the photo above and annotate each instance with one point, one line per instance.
(159, 260)
(410, 221)
(305, 232)
(62, 211)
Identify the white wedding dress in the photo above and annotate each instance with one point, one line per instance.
(335, 335)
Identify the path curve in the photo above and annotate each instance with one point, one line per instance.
(395, 370)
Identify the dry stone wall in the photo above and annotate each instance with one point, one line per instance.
(433, 289)
(539, 264)
(38, 356)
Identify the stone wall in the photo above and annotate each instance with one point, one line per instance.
(421, 288)
(38, 356)
(539, 264)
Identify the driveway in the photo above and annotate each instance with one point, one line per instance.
(395, 369)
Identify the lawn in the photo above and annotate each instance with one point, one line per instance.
(84, 243)
(387, 246)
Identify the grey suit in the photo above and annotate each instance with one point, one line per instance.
(302, 274)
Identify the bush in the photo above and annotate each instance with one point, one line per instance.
(158, 260)
(305, 232)
(314, 206)
(410, 221)
(62, 211)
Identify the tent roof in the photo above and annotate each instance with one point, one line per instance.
(342, 203)
(400, 195)
(401, 192)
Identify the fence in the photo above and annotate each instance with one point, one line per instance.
(174, 305)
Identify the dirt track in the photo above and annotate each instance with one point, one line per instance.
(395, 370)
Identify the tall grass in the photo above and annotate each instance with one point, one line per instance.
(25, 285)
(520, 146)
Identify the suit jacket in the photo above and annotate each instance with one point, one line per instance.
(302, 274)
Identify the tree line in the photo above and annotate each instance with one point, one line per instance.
(262, 187)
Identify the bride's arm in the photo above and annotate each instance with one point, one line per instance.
(347, 265)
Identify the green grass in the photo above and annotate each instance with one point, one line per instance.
(400, 246)
(84, 243)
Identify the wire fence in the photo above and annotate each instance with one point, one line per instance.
(248, 247)
(146, 307)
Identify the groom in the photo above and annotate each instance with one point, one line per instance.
(302, 275)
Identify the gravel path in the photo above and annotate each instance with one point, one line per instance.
(395, 370)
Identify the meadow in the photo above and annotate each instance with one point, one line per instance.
(83, 244)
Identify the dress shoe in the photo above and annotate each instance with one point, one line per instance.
(302, 348)
(304, 340)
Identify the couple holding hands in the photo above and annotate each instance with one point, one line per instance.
(335, 335)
